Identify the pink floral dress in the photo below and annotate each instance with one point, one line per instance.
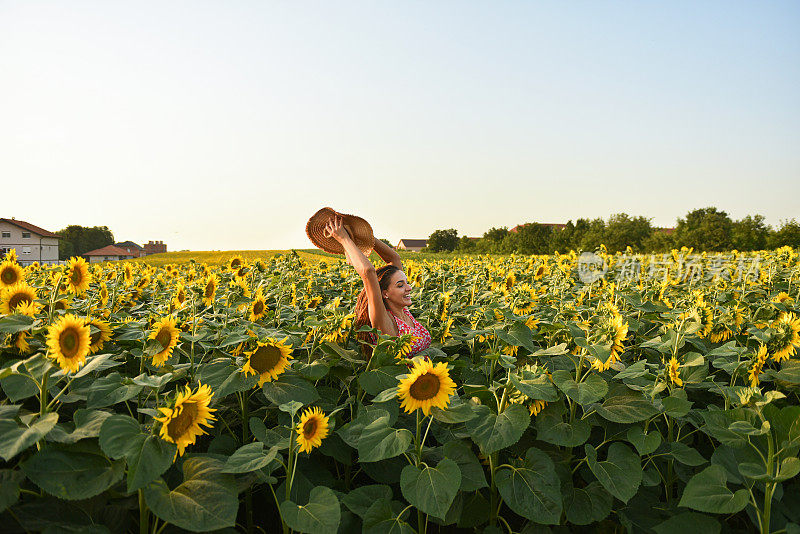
(423, 337)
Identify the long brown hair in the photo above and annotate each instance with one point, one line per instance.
(362, 305)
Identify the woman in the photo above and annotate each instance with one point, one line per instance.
(384, 301)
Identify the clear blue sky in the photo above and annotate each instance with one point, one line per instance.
(225, 125)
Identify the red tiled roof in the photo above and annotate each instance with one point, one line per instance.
(30, 227)
(108, 250)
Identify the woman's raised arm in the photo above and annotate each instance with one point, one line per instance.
(388, 254)
(378, 315)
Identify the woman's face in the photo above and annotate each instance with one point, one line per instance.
(399, 290)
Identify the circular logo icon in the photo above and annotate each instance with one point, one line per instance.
(591, 267)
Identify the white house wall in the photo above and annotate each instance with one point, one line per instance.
(29, 249)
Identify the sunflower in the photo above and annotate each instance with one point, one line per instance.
(20, 341)
(103, 294)
(78, 276)
(68, 340)
(16, 296)
(180, 296)
(674, 372)
(181, 424)
(784, 342)
(313, 302)
(235, 263)
(758, 365)
(403, 345)
(127, 274)
(510, 280)
(611, 331)
(426, 386)
(99, 337)
(241, 272)
(782, 297)
(312, 429)
(524, 307)
(258, 307)
(536, 407)
(446, 330)
(10, 273)
(209, 289)
(269, 359)
(166, 333)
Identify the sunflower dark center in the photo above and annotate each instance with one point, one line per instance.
(310, 428)
(425, 387)
(9, 276)
(68, 342)
(76, 277)
(94, 338)
(235, 264)
(265, 359)
(209, 291)
(61, 305)
(258, 308)
(181, 296)
(164, 337)
(18, 298)
(183, 421)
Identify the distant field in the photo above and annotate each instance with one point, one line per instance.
(216, 257)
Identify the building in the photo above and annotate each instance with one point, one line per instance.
(412, 245)
(31, 242)
(132, 248)
(154, 247)
(109, 253)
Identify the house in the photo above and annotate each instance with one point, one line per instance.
(31, 242)
(154, 247)
(412, 245)
(131, 247)
(110, 253)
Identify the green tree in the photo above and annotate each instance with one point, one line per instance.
(787, 235)
(750, 233)
(466, 244)
(622, 231)
(530, 238)
(443, 240)
(561, 238)
(659, 241)
(493, 241)
(704, 229)
(594, 234)
(76, 240)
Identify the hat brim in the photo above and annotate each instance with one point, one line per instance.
(359, 229)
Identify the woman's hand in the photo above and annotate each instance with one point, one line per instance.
(336, 230)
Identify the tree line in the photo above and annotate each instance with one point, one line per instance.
(76, 240)
(702, 229)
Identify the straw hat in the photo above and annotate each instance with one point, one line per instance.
(358, 228)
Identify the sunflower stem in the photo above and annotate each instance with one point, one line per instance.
(43, 396)
(248, 498)
(290, 463)
(194, 330)
(143, 514)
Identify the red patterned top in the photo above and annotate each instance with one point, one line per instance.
(423, 337)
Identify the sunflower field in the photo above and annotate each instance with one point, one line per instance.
(238, 397)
